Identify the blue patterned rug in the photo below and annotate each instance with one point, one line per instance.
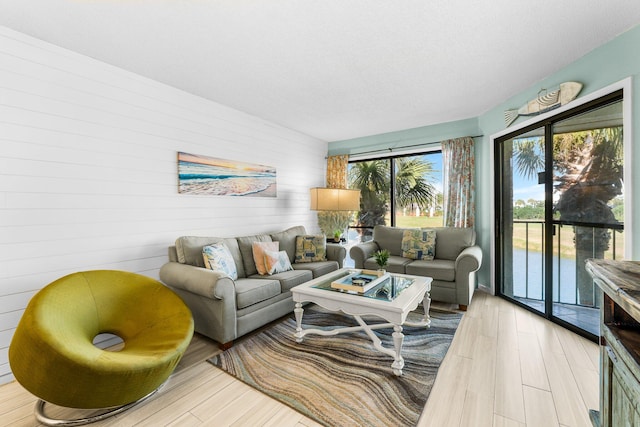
(343, 380)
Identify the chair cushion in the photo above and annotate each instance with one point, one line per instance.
(438, 269)
(252, 290)
(419, 244)
(311, 248)
(217, 257)
(258, 249)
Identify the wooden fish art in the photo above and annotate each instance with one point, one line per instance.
(564, 94)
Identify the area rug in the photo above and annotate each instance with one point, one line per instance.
(342, 380)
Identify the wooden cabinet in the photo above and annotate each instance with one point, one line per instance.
(619, 282)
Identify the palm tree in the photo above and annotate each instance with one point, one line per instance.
(412, 183)
(372, 179)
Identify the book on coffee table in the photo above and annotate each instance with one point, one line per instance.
(360, 281)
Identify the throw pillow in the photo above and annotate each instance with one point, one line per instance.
(258, 249)
(419, 244)
(217, 257)
(277, 262)
(310, 248)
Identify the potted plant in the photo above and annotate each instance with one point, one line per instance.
(382, 257)
(336, 236)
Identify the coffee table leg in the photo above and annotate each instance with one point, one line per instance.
(398, 338)
(298, 312)
(426, 304)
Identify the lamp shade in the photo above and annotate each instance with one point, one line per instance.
(335, 199)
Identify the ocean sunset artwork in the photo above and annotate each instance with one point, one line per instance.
(219, 177)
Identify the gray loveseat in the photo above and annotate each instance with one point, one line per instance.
(453, 268)
(225, 309)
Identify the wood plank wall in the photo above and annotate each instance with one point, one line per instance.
(88, 171)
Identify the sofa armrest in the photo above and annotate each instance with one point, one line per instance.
(363, 251)
(467, 263)
(469, 260)
(199, 281)
(336, 252)
(211, 297)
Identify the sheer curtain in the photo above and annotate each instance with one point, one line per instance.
(459, 188)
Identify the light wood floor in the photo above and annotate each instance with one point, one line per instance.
(506, 367)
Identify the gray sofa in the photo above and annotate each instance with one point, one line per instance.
(225, 309)
(453, 268)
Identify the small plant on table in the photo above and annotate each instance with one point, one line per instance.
(382, 257)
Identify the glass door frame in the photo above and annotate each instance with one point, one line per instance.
(618, 91)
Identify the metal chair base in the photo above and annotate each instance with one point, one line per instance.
(43, 419)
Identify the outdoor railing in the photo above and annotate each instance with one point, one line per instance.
(564, 258)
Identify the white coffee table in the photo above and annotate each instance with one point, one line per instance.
(409, 292)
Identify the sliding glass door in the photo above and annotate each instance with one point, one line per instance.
(559, 202)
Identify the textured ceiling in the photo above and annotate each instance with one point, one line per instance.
(334, 69)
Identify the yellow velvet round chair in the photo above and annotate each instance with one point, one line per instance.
(52, 352)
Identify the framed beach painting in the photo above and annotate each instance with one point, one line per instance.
(219, 177)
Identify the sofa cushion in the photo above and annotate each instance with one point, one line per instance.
(287, 239)
(438, 269)
(419, 244)
(451, 241)
(389, 238)
(218, 258)
(317, 268)
(258, 249)
(291, 278)
(246, 249)
(189, 251)
(251, 290)
(395, 264)
(276, 262)
(311, 248)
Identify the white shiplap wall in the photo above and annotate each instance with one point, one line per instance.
(88, 171)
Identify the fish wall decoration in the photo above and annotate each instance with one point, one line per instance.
(564, 94)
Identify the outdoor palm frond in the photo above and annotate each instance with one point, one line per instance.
(370, 176)
(528, 155)
(412, 182)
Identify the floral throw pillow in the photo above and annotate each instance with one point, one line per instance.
(277, 262)
(419, 244)
(258, 249)
(310, 248)
(217, 257)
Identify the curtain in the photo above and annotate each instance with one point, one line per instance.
(459, 188)
(337, 171)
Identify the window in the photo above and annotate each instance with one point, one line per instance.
(401, 191)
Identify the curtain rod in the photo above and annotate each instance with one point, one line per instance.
(390, 150)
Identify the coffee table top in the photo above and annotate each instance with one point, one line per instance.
(391, 300)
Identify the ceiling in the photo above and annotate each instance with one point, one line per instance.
(334, 69)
